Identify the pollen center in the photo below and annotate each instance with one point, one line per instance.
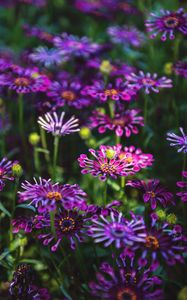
(22, 81)
(107, 168)
(54, 196)
(126, 294)
(67, 224)
(111, 92)
(153, 195)
(152, 242)
(68, 95)
(171, 22)
(148, 81)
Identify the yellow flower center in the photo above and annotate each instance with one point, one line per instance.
(107, 168)
(171, 22)
(126, 293)
(152, 242)
(111, 92)
(148, 81)
(153, 195)
(67, 224)
(54, 196)
(68, 95)
(22, 81)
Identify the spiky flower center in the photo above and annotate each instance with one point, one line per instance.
(171, 22)
(152, 194)
(67, 224)
(148, 82)
(126, 294)
(108, 168)
(54, 196)
(22, 81)
(68, 95)
(152, 242)
(111, 92)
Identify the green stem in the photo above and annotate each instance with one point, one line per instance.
(20, 107)
(111, 108)
(105, 193)
(55, 155)
(13, 206)
(36, 160)
(145, 109)
(44, 144)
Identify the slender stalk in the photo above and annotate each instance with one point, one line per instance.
(55, 155)
(13, 206)
(118, 139)
(122, 186)
(111, 108)
(105, 193)
(44, 144)
(36, 160)
(20, 107)
(145, 109)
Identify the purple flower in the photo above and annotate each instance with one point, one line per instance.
(167, 23)
(69, 224)
(39, 33)
(70, 45)
(116, 91)
(22, 223)
(183, 185)
(68, 92)
(126, 281)
(47, 57)
(180, 68)
(106, 164)
(126, 35)
(118, 230)
(153, 192)
(178, 141)
(124, 123)
(47, 196)
(5, 172)
(148, 82)
(55, 124)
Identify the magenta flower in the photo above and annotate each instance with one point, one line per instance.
(124, 123)
(116, 91)
(106, 164)
(5, 172)
(178, 141)
(118, 230)
(47, 196)
(180, 68)
(183, 185)
(148, 82)
(167, 23)
(38, 32)
(153, 192)
(55, 124)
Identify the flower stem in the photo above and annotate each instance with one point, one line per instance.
(20, 106)
(105, 193)
(55, 154)
(36, 160)
(44, 144)
(145, 109)
(13, 206)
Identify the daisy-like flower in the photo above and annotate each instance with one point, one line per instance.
(5, 172)
(68, 92)
(125, 123)
(25, 81)
(38, 32)
(69, 224)
(70, 45)
(153, 192)
(127, 281)
(180, 68)
(163, 241)
(177, 141)
(118, 230)
(46, 196)
(116, 91)
(126, 35)
(55, 124)
(183, 185)
(148, 82)
(105, 163)
(47, 57)
(167, 24)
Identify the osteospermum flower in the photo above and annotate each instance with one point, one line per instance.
(71, 45)
(55, 124)
(116, 91)
(148, 82)
(68, 92)
(183, 185)
(46, 196)
(124, 123)
(153, 192)
(127, 281)
(106, 164)
(177, 141)
(167, 23)
(180, 68)
(47, 57)
(5, 172)
(126, 35)
(118, 230)
(68, 224)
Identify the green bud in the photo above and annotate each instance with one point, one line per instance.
(85, 133)
(105, 67)
(91, 142)
(17, 170)
(34, 138)
(171, 218)
(110, 153)
(161, 214)
(182, 294)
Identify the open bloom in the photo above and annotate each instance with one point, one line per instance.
(178, 141)
(106, 163)
(167, 23)
(124, 123)
(153, 192)
(47, 57)
(148, 82)
(118, 230)
(127, 281)
(5, 172)
(46, 196)
(55, 124)
(180, 68)
(68, 224)
(183, 185)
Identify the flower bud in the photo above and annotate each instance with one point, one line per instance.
(182, 294)
(161, 214)
(171, 218)
(85, 133)
(105, 67)
(17, 170)
(168, 68)
(34, 138)
(110, 153)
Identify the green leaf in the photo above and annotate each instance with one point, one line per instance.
(65, 293)
(26, 206)
(3, 209)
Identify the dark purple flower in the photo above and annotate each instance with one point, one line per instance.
(153, 192)
(124, 123)
(167, 23)
(126, 35)
(68, 92)
(118, 230)
(96, 210)
(106, 164)
(126, 281)
(148, 82)
(183, 185)
(178, 141)
(68, 224)
(116, 91)
(180, 68)
(5, 171)
(38, 32)
(46, 196)
(22, 223)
